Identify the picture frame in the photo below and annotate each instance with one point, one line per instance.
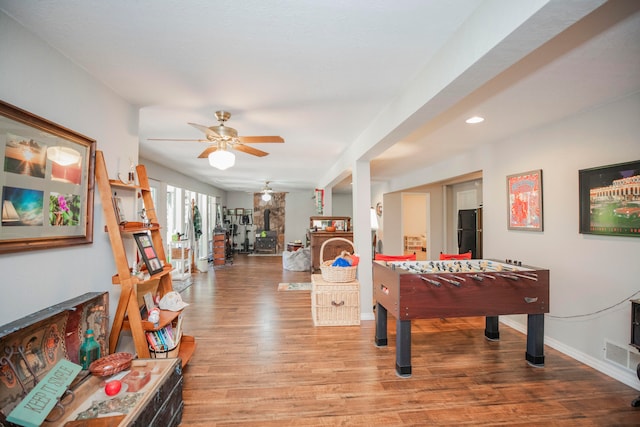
(610, 200)
(148, 252)
(524, 201)
(119, 210)
(46, 183)
(239, 211)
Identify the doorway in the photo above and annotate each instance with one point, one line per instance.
(415, 225)
(464, 195)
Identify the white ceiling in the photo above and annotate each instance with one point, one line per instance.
(384, 80)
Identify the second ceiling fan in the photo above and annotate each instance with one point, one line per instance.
(224, 138)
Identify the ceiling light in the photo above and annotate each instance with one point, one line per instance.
(266, 197)
(475, 119)
(222, 159)
(64, 156)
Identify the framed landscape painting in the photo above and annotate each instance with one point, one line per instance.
(524, 201)
(610, 200)
(46, 183)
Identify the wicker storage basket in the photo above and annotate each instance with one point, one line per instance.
(336, 304)
(176, 253)
(336, 274)
(164, 354)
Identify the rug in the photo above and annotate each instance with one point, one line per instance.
(181, 285)
(294, 286)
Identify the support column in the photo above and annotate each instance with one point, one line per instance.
(361, 178)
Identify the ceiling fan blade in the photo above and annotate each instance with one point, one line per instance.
(250, 150)
(207, 151)
(206, 130)
(173, 139)
(257, 139)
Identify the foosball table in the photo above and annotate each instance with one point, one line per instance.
(440, 289)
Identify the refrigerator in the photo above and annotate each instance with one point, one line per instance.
(470, 232)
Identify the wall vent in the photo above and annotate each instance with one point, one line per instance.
(621, 355)
(634, 359)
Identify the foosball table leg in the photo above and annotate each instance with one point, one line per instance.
(403, 348)
(535, 339)
(491, 328)
(381, 326)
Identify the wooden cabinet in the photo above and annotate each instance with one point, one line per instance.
(127, 316)
(219, 253)
(331, 250)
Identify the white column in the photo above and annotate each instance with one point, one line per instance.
(361, 223)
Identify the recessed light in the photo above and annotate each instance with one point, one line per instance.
(475, 119)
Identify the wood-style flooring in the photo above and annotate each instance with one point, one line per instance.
(261, 362)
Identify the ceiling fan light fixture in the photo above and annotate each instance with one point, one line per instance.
(222, 159)
(266, 197)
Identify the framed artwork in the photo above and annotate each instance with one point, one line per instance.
(610, 200)
(148, 252)
(239, 211)
(524, 201)
(46, 183)
(119, 210)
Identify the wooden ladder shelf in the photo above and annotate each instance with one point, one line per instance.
(127, 314)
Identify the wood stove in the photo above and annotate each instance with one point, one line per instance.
(266, 241)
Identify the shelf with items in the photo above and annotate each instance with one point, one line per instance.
(180, 253)
(412, 243)
(143, 276)
(166, 317)
(151, 248)
(166, 338)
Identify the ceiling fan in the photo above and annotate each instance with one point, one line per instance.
(224, 138)
(266, 192)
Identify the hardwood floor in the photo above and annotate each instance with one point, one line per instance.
(261, 362)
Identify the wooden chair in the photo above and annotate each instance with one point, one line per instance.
(466, 255)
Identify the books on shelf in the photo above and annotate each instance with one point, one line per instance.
(166, 338)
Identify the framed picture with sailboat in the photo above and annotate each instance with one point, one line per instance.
(46, 183)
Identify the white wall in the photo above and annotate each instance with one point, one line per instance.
(414, 214)
(40, 80)
(392, 241)
(300, 207)
(588, 273)
(342, 205)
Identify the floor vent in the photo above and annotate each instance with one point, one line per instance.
(623, 356)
